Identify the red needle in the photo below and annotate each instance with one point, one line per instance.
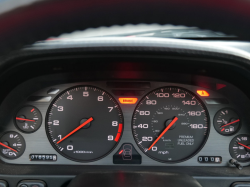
(244, 145)
(231, 123)
(7, 147)
(72, 132)
(24, 119)
(166, 129)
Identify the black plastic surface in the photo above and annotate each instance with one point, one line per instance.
(3, 183)
(31, 183)
(135, 179)
(241, 184)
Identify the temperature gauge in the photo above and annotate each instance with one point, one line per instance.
(28, 119)
(12, 145)
(226, 122)
(240, 148)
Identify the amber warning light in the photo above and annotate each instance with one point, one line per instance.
(203, 93)
(128, 100)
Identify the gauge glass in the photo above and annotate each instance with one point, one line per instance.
(28, 119)
(239, 148)
(12, 145)
(170, 124)
(226, 122)
(84, 123)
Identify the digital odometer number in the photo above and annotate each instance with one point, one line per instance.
(84, 123)
(170, 124)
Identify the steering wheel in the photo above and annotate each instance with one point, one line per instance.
(27, 21)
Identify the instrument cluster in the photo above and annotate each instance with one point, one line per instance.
(121, 122)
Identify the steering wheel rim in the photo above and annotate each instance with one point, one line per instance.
(23, 25)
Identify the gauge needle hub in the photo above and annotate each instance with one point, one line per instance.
(76, 129)
(166, 129)
(7, 147)
(230, 123)
(243, 145)
(23, 119)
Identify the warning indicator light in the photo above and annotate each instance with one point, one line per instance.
(128, 100)
(203, 93)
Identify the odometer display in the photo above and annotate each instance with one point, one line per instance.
(84, 123)
(170, 124)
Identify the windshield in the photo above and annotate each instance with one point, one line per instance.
(143, 30)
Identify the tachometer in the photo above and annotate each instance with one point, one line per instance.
(84, 123)
(170, 124)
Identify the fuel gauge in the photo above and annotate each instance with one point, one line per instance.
(226, 122)
(28, 119)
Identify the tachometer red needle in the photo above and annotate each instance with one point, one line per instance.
(22, 119)
(79, 127)
(244, 145)
(166, 129)
(7, 147)
(231, 123)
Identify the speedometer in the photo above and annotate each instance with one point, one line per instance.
(170, 124)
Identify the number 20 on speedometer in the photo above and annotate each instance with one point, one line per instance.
(170, 124)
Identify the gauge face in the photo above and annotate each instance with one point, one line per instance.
(170, 124)
(226, 122)
(12, 145)
(28, 119)
(239, 148)
(84, 123)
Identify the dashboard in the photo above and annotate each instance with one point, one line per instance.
(133, 105)
(146, 123)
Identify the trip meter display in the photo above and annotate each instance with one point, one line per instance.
(170, 124)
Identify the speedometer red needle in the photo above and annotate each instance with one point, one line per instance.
(78, 128)
(7, 147)
(244, 145)
(231, 123)
(24, 119)
(166, 129)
